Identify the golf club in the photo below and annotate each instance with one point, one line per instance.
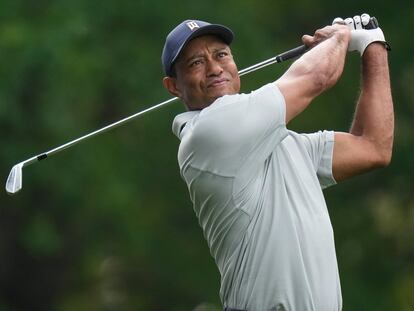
(14, 181)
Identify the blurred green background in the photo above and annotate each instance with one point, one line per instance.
(108, 225)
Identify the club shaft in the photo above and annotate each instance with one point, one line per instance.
(104, 129)
(276, 59)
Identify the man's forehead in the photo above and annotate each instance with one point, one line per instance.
(204, 43)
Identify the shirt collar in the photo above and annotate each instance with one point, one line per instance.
(181, 120)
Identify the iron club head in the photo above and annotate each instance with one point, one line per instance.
(14, 181)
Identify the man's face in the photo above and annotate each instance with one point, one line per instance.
(205, 71)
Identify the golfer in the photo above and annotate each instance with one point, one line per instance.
(256, 186)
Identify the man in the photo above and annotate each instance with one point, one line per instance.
(256, 186)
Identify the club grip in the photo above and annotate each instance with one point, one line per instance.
(298, 51)
(372, 24)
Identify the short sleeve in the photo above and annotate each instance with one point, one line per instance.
(238, 128)
(319, 146)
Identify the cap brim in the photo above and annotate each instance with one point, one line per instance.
(214, 29)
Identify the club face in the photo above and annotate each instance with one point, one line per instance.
(14, 181)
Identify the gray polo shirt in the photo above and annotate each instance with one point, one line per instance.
(256, 188)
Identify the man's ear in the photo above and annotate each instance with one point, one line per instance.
(170, 84)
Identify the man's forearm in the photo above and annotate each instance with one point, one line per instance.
(327, 58)
(374, 116)
(316, 70)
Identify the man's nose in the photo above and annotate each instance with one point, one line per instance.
(214, 68)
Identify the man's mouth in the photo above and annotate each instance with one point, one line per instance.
(218, 82)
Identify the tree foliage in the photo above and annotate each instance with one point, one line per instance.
(108, 225)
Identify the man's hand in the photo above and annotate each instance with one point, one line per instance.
(361, 37)
(341, 31)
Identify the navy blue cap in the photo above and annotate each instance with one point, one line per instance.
(183, 33)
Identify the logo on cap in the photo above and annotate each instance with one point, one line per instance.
(192, 25)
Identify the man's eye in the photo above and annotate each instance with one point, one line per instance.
(195, 63)
(223, 54)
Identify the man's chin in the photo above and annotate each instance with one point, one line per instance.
(212, 97)
(220, 93)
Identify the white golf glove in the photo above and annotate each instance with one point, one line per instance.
(361, 37)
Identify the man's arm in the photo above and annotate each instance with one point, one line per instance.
(317, 70)
(369, 142)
